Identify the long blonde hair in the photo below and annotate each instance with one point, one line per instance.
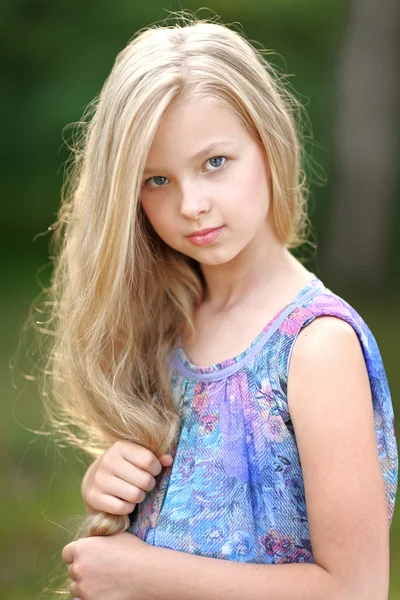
(119, 296)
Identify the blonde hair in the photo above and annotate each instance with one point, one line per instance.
(119, 296)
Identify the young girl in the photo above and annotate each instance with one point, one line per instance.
(238, 409)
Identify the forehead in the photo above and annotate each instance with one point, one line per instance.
(191, 125)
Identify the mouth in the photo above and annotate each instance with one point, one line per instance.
(203, 231)
(204, 237)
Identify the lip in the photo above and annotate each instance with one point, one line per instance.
(205, 236)
(203, 231)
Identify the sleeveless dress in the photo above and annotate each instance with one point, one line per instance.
(235, 490)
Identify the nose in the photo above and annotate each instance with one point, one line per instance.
(193, 200)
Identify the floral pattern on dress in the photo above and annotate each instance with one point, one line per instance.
(235, 489)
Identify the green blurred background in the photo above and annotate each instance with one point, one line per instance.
(56, 56)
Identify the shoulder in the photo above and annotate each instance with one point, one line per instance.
(322, 325)
(327, 334)
(327, 356)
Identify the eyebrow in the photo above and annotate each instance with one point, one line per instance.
(204, 152)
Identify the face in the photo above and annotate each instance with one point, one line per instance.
(203, 171)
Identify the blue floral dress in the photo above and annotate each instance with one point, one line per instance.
(235, 489)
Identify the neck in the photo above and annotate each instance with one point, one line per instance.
(258, 268)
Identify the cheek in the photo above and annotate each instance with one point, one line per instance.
(153, 213)
(161, 219)
(249, 195)
(258, 178)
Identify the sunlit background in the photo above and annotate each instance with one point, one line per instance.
(340, 57)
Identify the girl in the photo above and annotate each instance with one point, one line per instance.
(238, 409)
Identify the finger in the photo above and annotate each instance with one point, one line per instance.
(166, 460)
(67, 553)
(113, 505)
(125, 491)
(71, 572)
(142, 458)
(132, 475)
(74, 590)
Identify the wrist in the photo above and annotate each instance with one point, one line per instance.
(148, 563)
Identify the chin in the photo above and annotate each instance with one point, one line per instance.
(221, 257)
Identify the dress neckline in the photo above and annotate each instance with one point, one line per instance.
(224, 368)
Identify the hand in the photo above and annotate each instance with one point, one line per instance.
(115, 567)
(119, 479)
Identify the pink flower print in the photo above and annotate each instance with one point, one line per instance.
(287, 544)
(207, 424)
(276, 431)
(200, 398)
(276, 544)
(271, 542)
(299, 555)
(290, 325)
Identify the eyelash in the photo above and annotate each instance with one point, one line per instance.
(217, 170)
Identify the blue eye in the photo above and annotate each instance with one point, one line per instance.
(157, 178)
(217, 157)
